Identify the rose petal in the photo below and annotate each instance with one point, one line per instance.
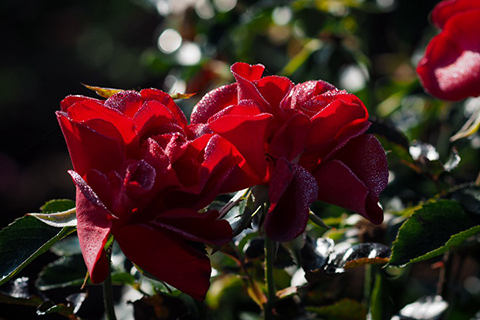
(126, 102)
(290, 139)
(167, 257)
(167, 101)
(303, 96)
(218, 173)
(93, 228)
(444, 10)
(274, 89)
(73, 99)
(356, 177)
(103, 120)
(338, 185)
(335, 125)
(246, 89)
(366, 157)
(89, 149)
(247, 71)
(154, 118)
(450, 68)
(291, 192)
(213, 102)
(194, 226)
(245, 127)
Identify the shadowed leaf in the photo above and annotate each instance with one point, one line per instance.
(24, 240)
(432, 230)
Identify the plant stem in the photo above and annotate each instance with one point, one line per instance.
(108, 291)
(442, 285)
(269, 257)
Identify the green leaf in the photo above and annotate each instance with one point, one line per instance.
(58, 205)
(62, 219)
(70, 271)
(345, 309)
(64, 272)
(58, 213)
(24, 240)
(432, 230)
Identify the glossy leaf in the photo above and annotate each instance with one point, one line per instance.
(314, 254)
(19, 293)
(356, 256)
(432, 230)
(468, 196)
(23, 241)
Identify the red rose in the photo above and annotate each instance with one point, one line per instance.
(306, 141)
(450, 68)
(141, 175)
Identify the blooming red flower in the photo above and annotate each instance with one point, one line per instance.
(306, 141)
(135, 158)
(450, 68)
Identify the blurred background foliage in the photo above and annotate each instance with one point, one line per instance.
(368, 47)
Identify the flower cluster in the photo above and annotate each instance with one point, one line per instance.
(306, 141)
(143, 173)
(450, 68)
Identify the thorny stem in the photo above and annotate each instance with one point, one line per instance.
(108, 291)
(269, 257)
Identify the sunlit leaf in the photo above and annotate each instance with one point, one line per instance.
(255, 292)
(432, 230)
(469, 128)
(103, 92)
(345, 309)
(24, 240)
(182, 95)
(62, 219)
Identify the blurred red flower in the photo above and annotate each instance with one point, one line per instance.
(141, 175)
(450, 68)
(306, 141)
